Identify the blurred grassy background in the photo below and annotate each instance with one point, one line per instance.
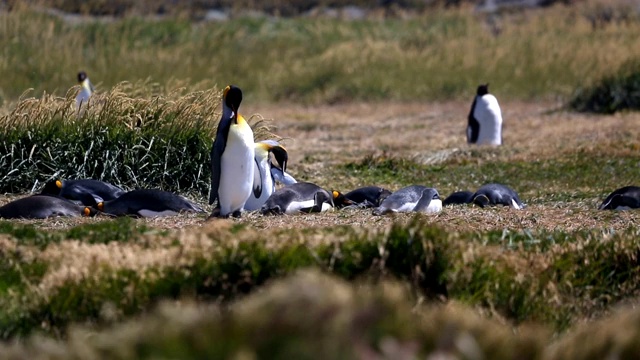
(433, 55)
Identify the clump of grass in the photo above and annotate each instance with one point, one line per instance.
(308, 315)
(617, 92)
(131, 136)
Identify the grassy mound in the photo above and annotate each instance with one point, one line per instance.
(614, 93)
(131, 136)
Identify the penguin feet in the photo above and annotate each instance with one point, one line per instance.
(236, 214)
(215, 214)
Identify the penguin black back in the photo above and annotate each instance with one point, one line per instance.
(367, 196)
(42, 207)
(147, 203)
(458, 197)
(298, 197)
(627, 197)
(497, 194)
(75, 189)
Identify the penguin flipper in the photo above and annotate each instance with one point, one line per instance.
(216, 161)
(425, 200)
(473, 127)
(257, 180)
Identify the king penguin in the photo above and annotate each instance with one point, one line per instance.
(364, 197)
(86, 90)
(75, 189)
(485, 119)
(264, 181)
(624, 198)
(458, 197)
(232, 158)
(42, 207)
(146, 203)
(299, 197)
(415, 198)
(497, 194)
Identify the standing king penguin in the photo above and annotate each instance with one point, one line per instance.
(264, 181)
(232, 158)
(86, 90)
(485, 119)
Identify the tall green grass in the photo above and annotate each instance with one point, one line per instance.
(135, 136)
(442, 54)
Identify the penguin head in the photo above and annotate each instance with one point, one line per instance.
(339, 200)
(481, 200)
(483, 89)
(231, 99)
(52, 187)
(263, 148)
(82, 76)
(88, 211)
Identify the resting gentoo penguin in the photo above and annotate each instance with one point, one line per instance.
(624, 198)
(416, 198)
(485, 119)
(232, 158)
(458, 197)
(146, 203)
(298, 197)
(364, 197)
(86, 90)
(75, 189)
(264, 183)
(497, 194)
(42, 207)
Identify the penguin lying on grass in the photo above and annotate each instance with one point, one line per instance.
(146, 203)
(624, 198)
(299, 197)
(42, 207)
(264, 181)
(364, 197)
(497, 194)
(77, 189)
(458, 197)
(416, 198)
(232, 158)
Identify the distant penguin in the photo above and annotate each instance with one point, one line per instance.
(624, 198)
(497, 194)
(147, 203)
(86, 90)
(75, 189)
(458, 197)
(485, 119)
(42, 207)
(364, 197)
(299, 197)
(415, 198)
(264, 182)
(232, 158)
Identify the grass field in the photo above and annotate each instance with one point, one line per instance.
(556, 280)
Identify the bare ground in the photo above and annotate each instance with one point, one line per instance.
(323, 136)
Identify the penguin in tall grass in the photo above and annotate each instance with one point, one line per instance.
(232, 158)
(624, 198)
(76, 189)
(264, 181)
(485, 119)
(86, 90)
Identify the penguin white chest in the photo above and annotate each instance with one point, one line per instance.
(236, 175)
(489, 116)
(266, 184)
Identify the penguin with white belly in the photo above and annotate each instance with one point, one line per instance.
(416, 198)
(485, 119)
(232, 158)
(86, 90)
(264, 181)
(299, 197)
(145, 203)
(624, 198)
(497, 194)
